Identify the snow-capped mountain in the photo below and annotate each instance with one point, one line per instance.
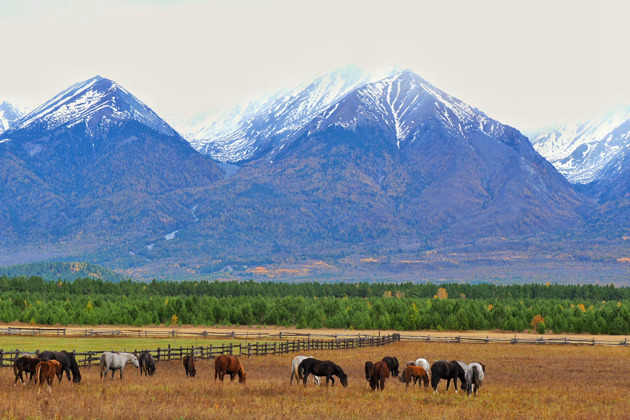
(396, 161)
(583, 152)
(403, 104)
(94, 160)
(9, 115)
(248, 132)
(95, 102)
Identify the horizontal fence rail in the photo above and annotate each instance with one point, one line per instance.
(89, 358)
(293, 335)
(514, 340)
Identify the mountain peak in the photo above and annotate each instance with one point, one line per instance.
(95, 100)
(403, 103)
(9, 115)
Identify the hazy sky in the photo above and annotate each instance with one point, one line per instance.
(526, 63)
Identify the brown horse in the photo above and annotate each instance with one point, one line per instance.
(380, 372)
(26, 364)
(229, 364)
(189, 365)
(46, 371)
(416, 373)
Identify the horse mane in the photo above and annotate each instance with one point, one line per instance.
(337, 370)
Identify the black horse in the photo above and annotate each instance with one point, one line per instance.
(392, 364)
(26, 364)
(322, 368)
(68, 363)
(147, 363)
(443, 369)
(368, 370)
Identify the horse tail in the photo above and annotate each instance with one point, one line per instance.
(37, 373)
(475, 376)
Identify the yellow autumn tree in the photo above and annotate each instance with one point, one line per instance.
(538, 319)
(442, 294)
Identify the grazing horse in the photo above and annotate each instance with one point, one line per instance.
(416, 373)
(68, 363)
(423, 364)
(443, 369)
(475, 373)
(323, 368)
(380, 372)
(26, 364)
(189, 365)
(46, 371)
(368, 370)
(392, 364)
(147, 363)
(298, 373)
(116, 361)
(232, 365)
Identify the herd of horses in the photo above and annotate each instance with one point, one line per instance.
(470, 375)
(51, 364)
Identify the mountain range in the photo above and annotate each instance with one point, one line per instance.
(592, 154)
(344, 169)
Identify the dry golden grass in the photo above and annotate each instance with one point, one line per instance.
(522, 381)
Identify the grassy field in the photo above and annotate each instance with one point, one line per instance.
(522, 381)
(27, 343)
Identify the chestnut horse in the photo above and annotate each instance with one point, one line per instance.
(231, 365)
(26, 364)
(189, 365)
(416, 373)
(46, 371)
(380, 372)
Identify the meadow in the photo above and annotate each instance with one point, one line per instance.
(81, 344)
(522, 381)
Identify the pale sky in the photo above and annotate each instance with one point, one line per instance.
(528, 64)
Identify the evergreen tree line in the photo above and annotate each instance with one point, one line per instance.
(569, 309)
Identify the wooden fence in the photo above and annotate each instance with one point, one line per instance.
(89, 358)
(175, 333)
(515, 340)
(284, 335)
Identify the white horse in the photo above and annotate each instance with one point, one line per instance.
(424, 365)
(475, 373)
(299, 375)
(116, 361)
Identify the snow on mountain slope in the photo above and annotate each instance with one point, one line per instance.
(9, 115)
(583, 151)
(405, 101)
(95, 102)
(247, 132)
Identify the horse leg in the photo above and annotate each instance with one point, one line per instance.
(448, 383)
(455, 384)
(121, 369)
(382, 384)
(333, 380)
(305, 377)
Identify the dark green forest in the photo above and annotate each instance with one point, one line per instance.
(544, 308)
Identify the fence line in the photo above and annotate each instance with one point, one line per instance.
(284, 335)
(514, 340)
(89, 358)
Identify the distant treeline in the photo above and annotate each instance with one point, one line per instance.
(407, 306)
